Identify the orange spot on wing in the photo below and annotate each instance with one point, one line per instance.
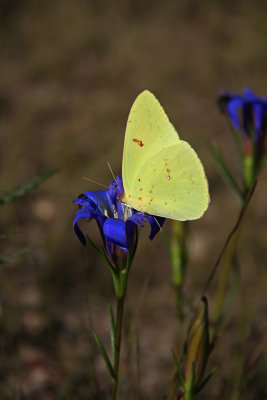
(168, 177)
(140, 198)
(139, 142)
(121, 197)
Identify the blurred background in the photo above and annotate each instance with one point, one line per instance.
(69, 73)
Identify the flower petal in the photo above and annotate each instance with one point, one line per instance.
(254, 112)
(119, 232)
(260, 119)
(138, 218)
(115, 189)
(156, 223)
(81, 214)
(102, 201)
(232, 108)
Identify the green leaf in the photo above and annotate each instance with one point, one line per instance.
(203, 383)
(102, 254)
(223, 169)
(25, 187)
(105, 356)
(17, 253)
(112, 329)
(97, 249)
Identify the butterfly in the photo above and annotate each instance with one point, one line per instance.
(162, 175)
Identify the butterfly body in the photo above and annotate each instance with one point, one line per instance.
(162, 175)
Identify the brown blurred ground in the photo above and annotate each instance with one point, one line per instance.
(69, 72)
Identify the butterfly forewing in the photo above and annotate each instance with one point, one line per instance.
(148, 129)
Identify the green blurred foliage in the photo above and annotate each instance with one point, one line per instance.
(69, 72)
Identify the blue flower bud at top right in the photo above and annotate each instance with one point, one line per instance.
(247, 114)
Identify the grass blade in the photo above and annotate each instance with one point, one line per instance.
(105, 356)
(25, 187)
(16, 253)
(223, 169)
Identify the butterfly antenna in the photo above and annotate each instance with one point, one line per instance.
(97, 183)
(112, 173)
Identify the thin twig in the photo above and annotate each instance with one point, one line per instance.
(243, 209)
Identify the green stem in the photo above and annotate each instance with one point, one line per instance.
(178, 253)
(178, 262)
(119, 319)
(224, 278)
(229, 237)
(188, 392)
(248, 173)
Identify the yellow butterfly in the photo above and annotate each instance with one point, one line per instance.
(162, 175)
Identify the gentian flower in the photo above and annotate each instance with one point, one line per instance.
(247, 113)
(118, 223)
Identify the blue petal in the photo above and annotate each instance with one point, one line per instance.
(81, 214)
(249, 95)
(259, 114)
(247, 117)
(156, 223)
(115, 189)
(119, 232)
(120, 183)
(138, 218)
(232, 110)
(99, 200)
(120, 209)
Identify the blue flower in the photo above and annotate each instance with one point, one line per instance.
(118, 223)
(248, 113)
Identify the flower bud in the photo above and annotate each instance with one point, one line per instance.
(198, 346)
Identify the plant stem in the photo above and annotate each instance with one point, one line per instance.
(188, 392)
(119, 319)
(224, 278)
(178, 261)
(248, 173)
(229, 237)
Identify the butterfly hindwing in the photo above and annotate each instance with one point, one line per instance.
(172, 184)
